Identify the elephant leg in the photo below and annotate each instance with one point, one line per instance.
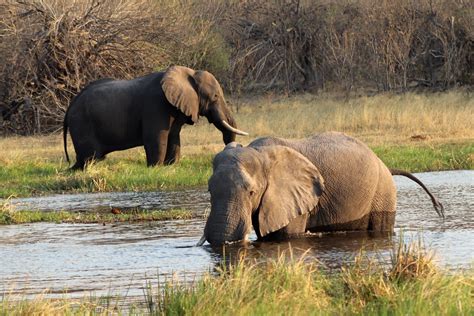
(155, 149)
(83, 160)
(296, 227)
(79, 165)
(384, 205)
(174, 144)
(86, 151)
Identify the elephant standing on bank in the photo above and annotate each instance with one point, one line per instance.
(110, 115)
(328, 182)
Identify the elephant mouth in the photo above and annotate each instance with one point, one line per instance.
(245, 239)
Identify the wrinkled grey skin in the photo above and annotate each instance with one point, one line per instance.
(149, 111)
(282, 188)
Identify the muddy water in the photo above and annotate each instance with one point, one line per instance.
(119, 258)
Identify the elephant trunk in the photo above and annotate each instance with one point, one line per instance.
(223, 121)
(225, 226)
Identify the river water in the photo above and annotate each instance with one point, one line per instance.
(84, 259)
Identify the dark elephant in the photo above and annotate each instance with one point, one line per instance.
(328, 182)
(110, 115)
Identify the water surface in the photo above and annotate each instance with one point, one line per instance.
(120, 258)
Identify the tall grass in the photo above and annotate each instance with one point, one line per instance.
(409, 284)
(379, 119)
(416, 132)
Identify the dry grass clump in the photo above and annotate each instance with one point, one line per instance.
(42, 305)
(281, 286)
(411, 261)
(7, 213)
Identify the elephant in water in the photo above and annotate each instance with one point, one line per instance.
(328, 182)
(110, 115)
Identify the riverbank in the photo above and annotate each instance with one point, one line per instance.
(33, 178)
(415, 132)
(409, 284)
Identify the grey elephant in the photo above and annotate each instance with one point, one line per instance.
(283, 188)
(149, 111)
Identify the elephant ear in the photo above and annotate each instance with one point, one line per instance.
(177, 84)
(293, 189)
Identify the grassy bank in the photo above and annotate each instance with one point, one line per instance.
(416, 132)
(409, 284)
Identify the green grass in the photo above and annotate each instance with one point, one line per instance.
(410, 284)
(29, 178)
(9, 216)
(421, 158)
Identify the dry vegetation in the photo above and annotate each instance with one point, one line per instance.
(409, 285)
(50, 49)
(381, 119)
(384, 119)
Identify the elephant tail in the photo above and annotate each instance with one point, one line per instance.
(65, 126)
(436, 204)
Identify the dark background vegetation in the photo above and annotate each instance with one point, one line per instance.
(50, 49)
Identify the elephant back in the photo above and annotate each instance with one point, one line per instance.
(351, 173)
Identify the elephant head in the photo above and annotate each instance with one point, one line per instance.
(197, 93)
(264, 187)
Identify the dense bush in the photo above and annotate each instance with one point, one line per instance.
(384, 45)
(50, 49)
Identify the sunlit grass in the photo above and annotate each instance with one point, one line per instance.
(415, 132)
(408, 284)
(32, 178)
(379, 119)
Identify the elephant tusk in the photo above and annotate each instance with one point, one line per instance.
(201, 241)
(233, 129)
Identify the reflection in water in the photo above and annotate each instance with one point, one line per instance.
(119, 258)
(331, 251)
(193, 199)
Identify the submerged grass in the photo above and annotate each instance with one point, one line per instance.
(410, 284)
(9, 217)
(415, 132)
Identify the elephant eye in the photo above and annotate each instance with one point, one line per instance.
(251, 193)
